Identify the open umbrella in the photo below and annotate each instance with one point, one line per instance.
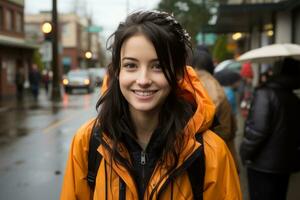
(228, 64)
(271, 53)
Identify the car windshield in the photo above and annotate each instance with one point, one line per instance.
(78, 73)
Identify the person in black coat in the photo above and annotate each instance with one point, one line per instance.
(271, 145)
(34, 80)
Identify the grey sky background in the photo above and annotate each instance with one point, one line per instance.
(106, 13)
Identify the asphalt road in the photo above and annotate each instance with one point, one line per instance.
(34, 143)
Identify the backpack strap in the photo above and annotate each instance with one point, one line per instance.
(94, 158)
(196, 171)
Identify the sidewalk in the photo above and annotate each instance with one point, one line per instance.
(9, 103)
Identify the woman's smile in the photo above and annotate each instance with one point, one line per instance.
(144, 93)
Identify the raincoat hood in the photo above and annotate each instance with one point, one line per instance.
(192, 90)
(205, 109)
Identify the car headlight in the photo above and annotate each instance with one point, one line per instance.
(86, 81)
(65, 81)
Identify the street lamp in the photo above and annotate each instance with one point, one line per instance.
(47, 30)
(47, 27)
(88, 55)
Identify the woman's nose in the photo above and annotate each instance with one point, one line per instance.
(144, 78)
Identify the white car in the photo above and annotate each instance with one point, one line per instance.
(78, 79)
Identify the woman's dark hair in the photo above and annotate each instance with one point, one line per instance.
(170, 41)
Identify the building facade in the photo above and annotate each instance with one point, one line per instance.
(260, 22)
(75, 40)
(15, 52)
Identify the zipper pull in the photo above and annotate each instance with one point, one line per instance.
(143, 158)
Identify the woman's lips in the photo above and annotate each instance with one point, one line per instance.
(144, 94)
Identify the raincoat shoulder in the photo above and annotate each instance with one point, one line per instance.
(221, 178)
(75, 185)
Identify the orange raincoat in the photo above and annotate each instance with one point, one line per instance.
(221, 179)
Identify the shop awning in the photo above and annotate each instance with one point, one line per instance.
(15, 42)
(242, 17)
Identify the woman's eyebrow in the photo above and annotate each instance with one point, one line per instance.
(154, 60)
(129, 58)
(134, 59)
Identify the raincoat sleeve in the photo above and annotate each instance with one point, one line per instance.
(75, 186)
(221, 178)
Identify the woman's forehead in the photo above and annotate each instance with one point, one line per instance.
(138, 47)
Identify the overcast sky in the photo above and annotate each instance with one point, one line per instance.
(106, 13)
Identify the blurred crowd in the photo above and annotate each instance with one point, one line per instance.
(270, 148)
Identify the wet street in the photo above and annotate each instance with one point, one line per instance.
(35, 140)
(34, 143)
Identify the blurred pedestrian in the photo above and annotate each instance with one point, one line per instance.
(230, 81)
(245, 89)
(226, 123)
(46, 80)
(20, 80)
(271, 145)
(153, 115)
(34, 80)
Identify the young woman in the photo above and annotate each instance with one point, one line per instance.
(149, 115)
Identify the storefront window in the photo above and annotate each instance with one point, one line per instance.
(1, 18)
(9, 20)
(10, 70)
(19, 22)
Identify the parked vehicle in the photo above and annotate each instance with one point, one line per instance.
(78, 79)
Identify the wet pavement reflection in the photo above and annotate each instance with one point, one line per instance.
(35, 140)
(34, 143)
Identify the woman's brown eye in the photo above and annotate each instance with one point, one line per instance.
(129, 65)
(157, 67)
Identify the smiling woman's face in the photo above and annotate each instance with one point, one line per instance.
(142, 81)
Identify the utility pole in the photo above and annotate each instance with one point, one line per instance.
(56, 81)
(89, 49)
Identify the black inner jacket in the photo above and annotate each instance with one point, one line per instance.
(143, 161)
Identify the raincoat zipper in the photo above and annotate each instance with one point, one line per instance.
(143, 163)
